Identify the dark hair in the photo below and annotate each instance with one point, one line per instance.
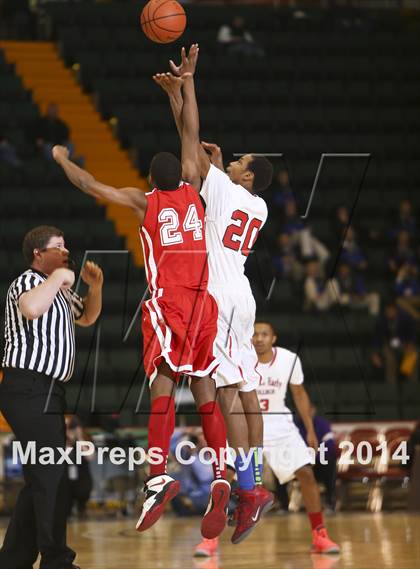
(262, 321)
(263, 172)
(166, 171)
(37, 238)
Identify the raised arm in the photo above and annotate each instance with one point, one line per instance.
(130, 197)
(172, 86)
(190, 133)
(92, 275)
(192, 152)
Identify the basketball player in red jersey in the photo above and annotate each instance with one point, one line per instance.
(179, 321)
(234, 216)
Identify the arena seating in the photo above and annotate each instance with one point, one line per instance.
(322, 87)
(37, 193)
(370, 470)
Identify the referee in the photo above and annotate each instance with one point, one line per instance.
(41, 309)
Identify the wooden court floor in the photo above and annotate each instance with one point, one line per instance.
(368, 541)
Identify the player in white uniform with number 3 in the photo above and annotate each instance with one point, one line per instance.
(284, 448)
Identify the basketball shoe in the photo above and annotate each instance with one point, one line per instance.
(321, 543)
(264, 498)
(252, 505)
(158, 490)
(207, 548)
(214, 519)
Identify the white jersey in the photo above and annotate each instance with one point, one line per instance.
(234, 218)
(275, 375)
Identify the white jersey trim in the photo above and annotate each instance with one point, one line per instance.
(165, 339)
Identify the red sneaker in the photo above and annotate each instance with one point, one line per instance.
(207, 547)
(264, 498)
(321, 543)
(247, 514)
(214, 519)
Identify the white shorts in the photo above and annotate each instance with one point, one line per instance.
(233, 347)
(286, 455)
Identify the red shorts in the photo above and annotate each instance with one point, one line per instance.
(180, 326)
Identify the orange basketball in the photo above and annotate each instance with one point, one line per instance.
(163, 21)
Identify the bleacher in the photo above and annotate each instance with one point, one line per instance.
(38, 193)
(324, 86)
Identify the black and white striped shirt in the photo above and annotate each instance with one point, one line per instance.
(46, 344)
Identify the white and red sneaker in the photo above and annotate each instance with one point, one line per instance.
(207, 548)
(214, 519)
(321, 543)
(159, 490)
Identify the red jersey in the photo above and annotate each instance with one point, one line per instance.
(173, 239)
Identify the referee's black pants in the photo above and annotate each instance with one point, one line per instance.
(34, 408)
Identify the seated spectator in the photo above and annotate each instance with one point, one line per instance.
(237, 39)
(407, 289)
(352, 291)
(8, 153)
(339, 223)
(286, 263)
(319, 293)
(352, 253)
(394, 344)
(402, 252)
(51, 130)
(281, 190)
(405, 221)
(309, 247)
(324, 473)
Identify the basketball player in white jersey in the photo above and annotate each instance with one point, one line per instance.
(234, 216)
(284, 449)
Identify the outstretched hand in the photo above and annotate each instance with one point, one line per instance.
(169, 83)
(214, 150)
(188, 63)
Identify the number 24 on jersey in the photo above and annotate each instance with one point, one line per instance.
(169, 234)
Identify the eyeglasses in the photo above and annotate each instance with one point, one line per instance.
(54, 247)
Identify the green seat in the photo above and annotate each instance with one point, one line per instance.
(125, 361)
(25, 113)
(383, 392)
(346, 356)
(317, 357)
(386, 412)
(411, 393)
(353, 392)
(12, 88)
(410, 411)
